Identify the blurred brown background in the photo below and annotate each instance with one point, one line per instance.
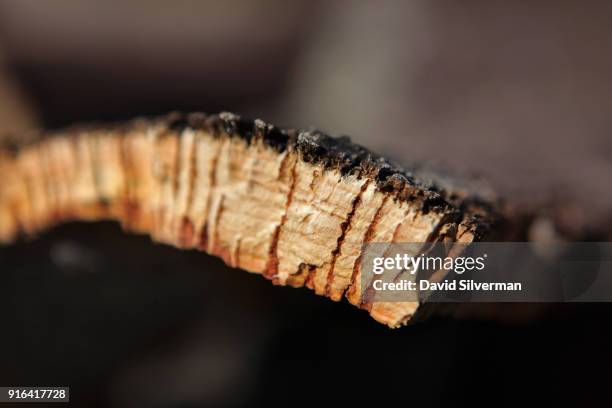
(517, 92)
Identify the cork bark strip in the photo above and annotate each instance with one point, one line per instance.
(296, 207)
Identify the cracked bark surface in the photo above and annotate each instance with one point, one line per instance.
(296, 207)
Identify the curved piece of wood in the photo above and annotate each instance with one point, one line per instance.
(295, 207)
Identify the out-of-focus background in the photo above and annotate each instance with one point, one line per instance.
(518, 93)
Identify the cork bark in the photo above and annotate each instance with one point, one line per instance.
(295, 207)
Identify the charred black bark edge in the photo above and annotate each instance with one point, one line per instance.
(313, 146)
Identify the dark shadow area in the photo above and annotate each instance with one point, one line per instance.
(128, 322)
